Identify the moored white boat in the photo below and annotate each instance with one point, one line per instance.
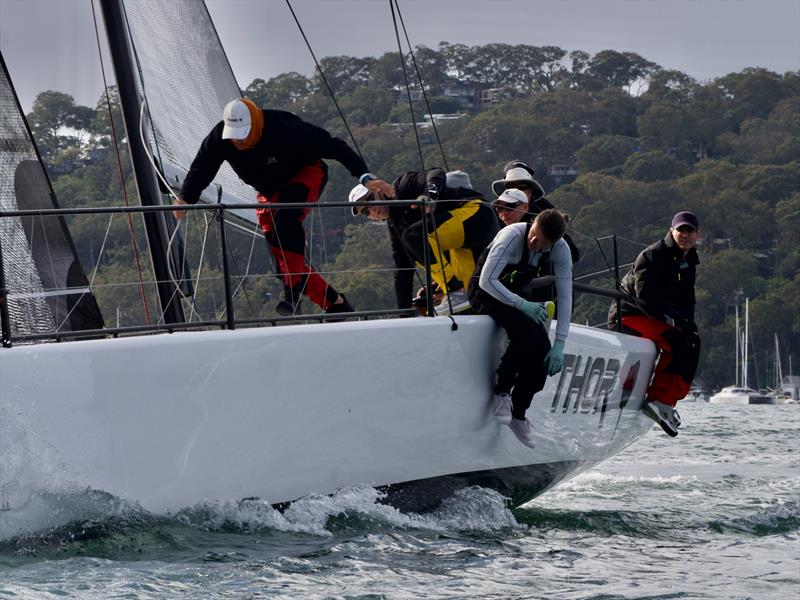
(741, 396)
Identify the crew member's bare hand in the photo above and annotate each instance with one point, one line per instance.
(179, 214)
(380, 188)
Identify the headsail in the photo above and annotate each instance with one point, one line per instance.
(186, 80)
(48, 290)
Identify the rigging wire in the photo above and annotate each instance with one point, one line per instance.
(408, 85)
(121, 176)
(325, 80)
(422, 87)
(421, 157)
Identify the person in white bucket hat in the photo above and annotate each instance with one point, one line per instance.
(519, 176)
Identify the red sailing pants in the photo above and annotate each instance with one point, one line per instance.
(284, 231)
(679, 354)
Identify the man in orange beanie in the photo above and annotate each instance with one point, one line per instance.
(279, 155)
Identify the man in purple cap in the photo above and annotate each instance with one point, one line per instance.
(660, 306)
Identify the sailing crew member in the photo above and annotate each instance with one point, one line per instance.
(660, 307)
(280, 155)
(460, 224)
(500, 288)
(515, 209)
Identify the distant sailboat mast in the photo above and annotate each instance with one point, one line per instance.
(736, 379)
(746, 340)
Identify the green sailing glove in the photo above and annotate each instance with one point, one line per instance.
(535, 311)
(554, 361)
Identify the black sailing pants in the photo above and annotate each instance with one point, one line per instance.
(522, 371)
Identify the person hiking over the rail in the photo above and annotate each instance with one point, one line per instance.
(501, 288)
(660, 285)
(460, 224)
(515, 209)
(280, 155)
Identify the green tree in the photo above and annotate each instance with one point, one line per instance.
(609, 68)
(664, 127)
(365, 264)
(653, 166)
(605, 151)
(787, 221)
(52, 113)
(283, 91)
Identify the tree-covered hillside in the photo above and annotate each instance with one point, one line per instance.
(619, 143)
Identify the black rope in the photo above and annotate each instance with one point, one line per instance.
(408, 85)
(325, 80)
(422, 87)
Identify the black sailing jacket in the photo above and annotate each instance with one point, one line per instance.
(287, 145)
(663, 280)
(409, 187)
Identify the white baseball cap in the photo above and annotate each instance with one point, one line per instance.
(357, 193)
(237, 120)
(512, 196)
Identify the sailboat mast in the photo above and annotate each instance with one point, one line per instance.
(778, 369)
(146, 182)
(746, 340)
(738, 351)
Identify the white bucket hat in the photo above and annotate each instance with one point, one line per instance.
(518, 175)
(458, 179)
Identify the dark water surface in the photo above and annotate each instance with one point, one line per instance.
(714, 513)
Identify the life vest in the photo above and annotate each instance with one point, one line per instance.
(516, 277)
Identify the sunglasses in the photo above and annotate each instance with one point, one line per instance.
(519, 186)
(501, 207)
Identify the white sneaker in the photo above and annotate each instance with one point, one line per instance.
(502, 408)
(523, 430)
(663, 414)
(459, 301)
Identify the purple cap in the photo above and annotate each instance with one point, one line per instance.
(685, 218)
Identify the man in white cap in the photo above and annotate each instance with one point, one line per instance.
(280, 155)
(519, 176)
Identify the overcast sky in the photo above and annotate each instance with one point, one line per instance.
(50, 44)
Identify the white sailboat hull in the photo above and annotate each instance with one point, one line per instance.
(281, 412)
(741, 398)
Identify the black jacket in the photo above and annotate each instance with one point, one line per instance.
(287, 145)
(408, 187)
(662, 280)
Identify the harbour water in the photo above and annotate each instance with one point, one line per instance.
(713, 513)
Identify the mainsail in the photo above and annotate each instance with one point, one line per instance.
(186, 81)
(48, 290)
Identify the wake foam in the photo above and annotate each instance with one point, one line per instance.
(471, 509)
(100, 523)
